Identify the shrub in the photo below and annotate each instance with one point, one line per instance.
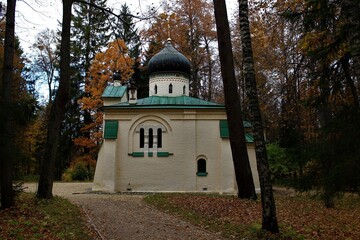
(281, 167)
(81, 169)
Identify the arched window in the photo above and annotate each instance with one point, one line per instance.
(142, 138)
(159, 138)
(184, 89)
(151, 138)
(201, 167)
(170, 88)
(155, 89)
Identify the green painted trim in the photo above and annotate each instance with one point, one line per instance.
(164, 154)
(133, 106)
(137, 154)
(201, 174)
(156, 102)
(111, 129)
(150, 154)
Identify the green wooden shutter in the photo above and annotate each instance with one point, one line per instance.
(111, 129)
(224, 129)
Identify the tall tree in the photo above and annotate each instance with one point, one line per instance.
(126, 30)
(25, 105)
(269, 220)
(330, 45)
(243, 173)
(350, 12)
(57, 109)
(90, 32)
(197, 24)
(194, 35)
(45, 60)
(105, 63)
(7, 194)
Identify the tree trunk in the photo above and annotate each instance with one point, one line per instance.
(243, 173)
(210, 68)
(7, 193)
(269, 220)
(57, 110)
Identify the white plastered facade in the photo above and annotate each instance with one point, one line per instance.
(188, 135)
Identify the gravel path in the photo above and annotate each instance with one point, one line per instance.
(124, 217)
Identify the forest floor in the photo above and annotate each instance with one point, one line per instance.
(300, 216)
(200, 216)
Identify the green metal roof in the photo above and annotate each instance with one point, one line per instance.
(114, 91)
(168, 102)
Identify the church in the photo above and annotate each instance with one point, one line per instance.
(169, 141)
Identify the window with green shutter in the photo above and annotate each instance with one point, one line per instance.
(111, 129)
(224, 129)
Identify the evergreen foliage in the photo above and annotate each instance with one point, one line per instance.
(90, 32)
(127, 31)
(23, 112)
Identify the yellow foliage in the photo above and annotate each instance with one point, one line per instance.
(114, 58)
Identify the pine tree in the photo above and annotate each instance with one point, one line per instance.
(126, 30)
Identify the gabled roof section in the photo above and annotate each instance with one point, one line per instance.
(114, 91)
(169, 102)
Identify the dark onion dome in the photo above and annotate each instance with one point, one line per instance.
(117, 76)
(169, 60)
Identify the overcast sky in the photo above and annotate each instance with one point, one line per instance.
(33, 16)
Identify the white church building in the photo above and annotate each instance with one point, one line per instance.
(169, 141)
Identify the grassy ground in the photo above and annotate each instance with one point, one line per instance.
(299, 216)
(42, 219)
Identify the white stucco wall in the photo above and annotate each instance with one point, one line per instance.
(162, 81)
(189, 135)
(104, 178)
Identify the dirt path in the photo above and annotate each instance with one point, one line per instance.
(126, 216)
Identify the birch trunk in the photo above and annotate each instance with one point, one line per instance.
(269, 220)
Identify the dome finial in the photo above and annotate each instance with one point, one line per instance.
(168, 26)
